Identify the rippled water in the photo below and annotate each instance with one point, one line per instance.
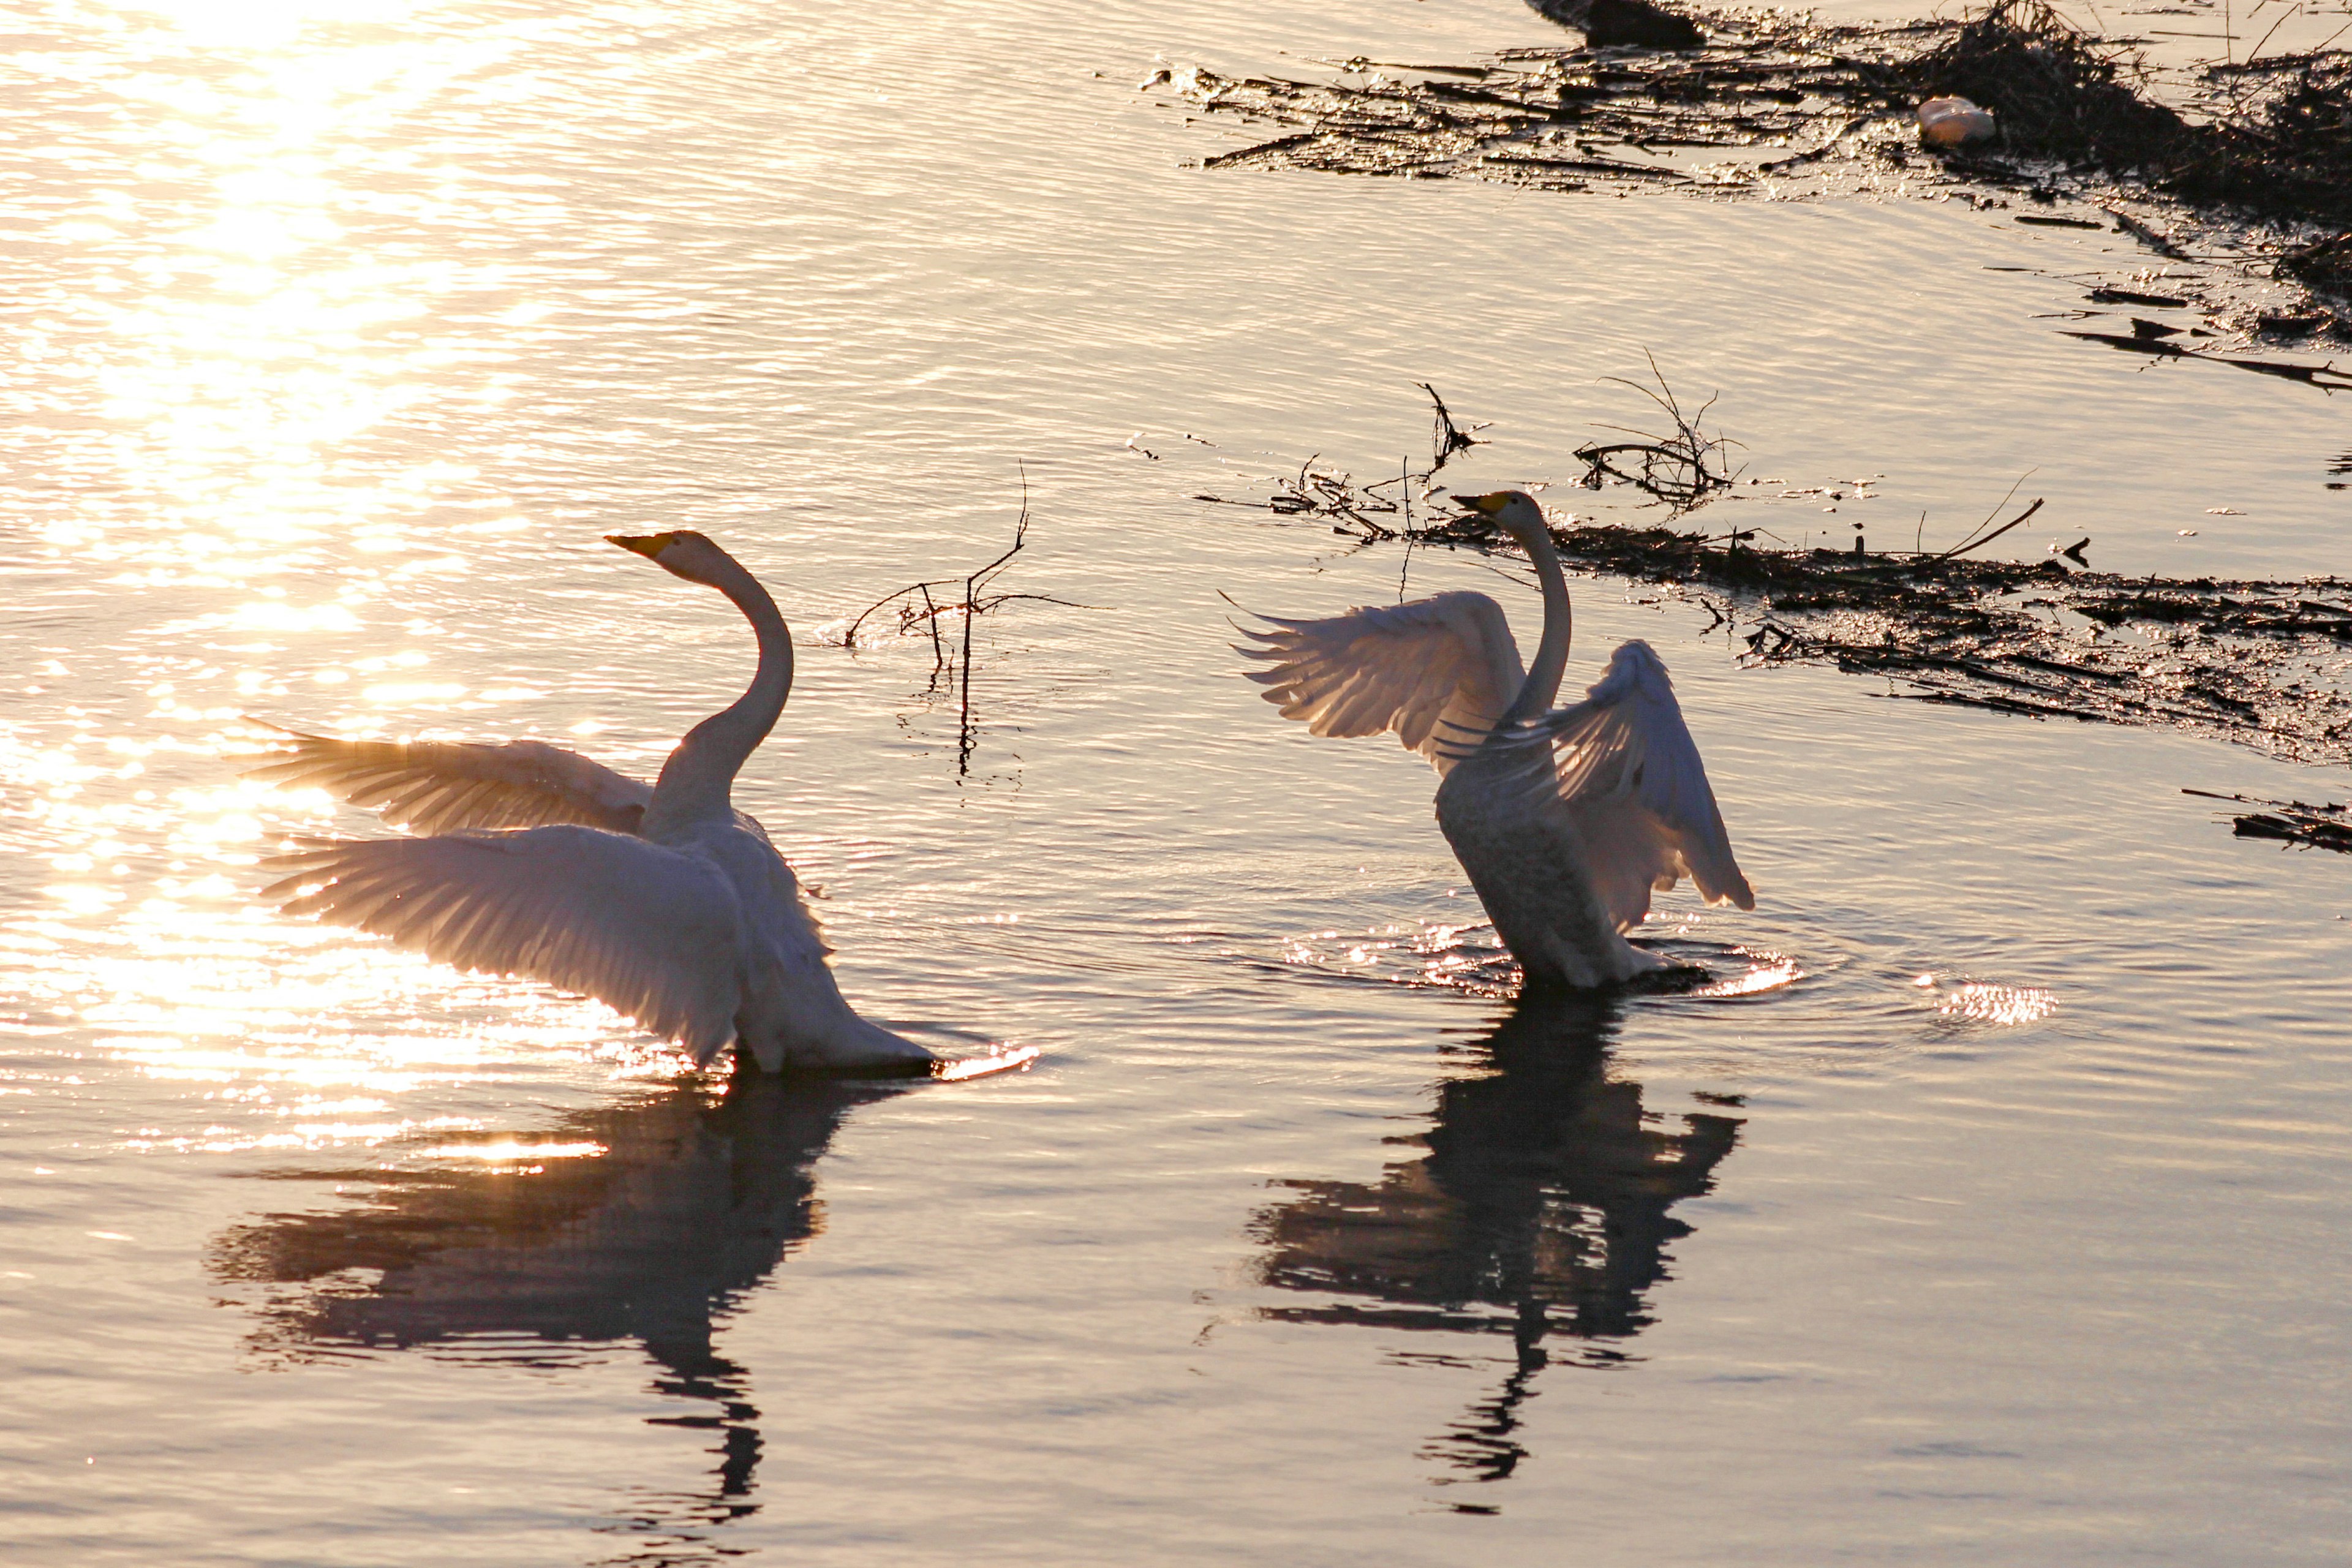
(1987, 1205)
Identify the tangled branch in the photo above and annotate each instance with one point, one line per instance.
(1682, 468)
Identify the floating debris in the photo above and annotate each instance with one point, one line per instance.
(2289, 821)
(2251, 194)
(2237, 657)
(1682, 468)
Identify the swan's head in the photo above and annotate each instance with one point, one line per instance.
(1514, 512)
(683, 553)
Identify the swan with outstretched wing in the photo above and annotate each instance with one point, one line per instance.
(445, 786)
(1566, 820)
(661, 900)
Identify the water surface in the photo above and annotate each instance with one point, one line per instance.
(1988, 1209)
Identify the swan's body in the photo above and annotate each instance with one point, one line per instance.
(665, 902)
(1566, 820)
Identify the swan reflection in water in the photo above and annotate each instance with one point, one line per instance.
(645, 1222)
(1540, 1211)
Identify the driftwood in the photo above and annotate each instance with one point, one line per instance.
(2325, 827)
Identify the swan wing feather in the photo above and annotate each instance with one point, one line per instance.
(1438, 673)
(450, 786)
(652, 932)
(1625, 767)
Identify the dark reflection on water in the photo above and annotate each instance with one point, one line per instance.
(689, 1206)
(1540, 1210)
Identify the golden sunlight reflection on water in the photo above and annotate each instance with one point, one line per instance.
(513, 1149)
(256, 24)
(1765, 972)
(1981, 1001)
(256, 297)
(258, 289)
(309, 1035)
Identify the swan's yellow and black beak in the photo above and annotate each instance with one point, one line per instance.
(649, 545)
(1490, 503)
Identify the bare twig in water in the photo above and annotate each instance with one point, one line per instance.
(1973, 542)
(1449, 438)
(1353, 509)
(1404, 480)
(1681, 468)
(931, 622)
(1319, 492)
(2326, 826)
(971, 612)
(973, 603)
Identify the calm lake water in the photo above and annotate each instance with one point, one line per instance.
(1991, 1208)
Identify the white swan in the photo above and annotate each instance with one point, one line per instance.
(1565, 820)
(667, 903)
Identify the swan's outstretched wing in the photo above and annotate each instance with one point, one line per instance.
(653, 932)
(448, 786)
(1439, 671)
(1627, 768)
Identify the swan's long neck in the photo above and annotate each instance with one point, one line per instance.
(1542, 684)
(698, 781)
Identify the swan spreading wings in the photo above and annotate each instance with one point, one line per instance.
(1566, 819)
(661, 900)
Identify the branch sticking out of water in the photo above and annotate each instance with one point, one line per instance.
(1449, 438)
(916, 606)
(1974, 543)
(1353, 508)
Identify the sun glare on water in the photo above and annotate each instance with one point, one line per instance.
(263, 290)
(262, 24)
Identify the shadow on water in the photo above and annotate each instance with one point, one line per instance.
(645, 1222)
(1540, 1211)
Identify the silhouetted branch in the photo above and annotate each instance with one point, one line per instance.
(1448, 437)
(1682, 468)
(972, 605)
(1973, 542)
